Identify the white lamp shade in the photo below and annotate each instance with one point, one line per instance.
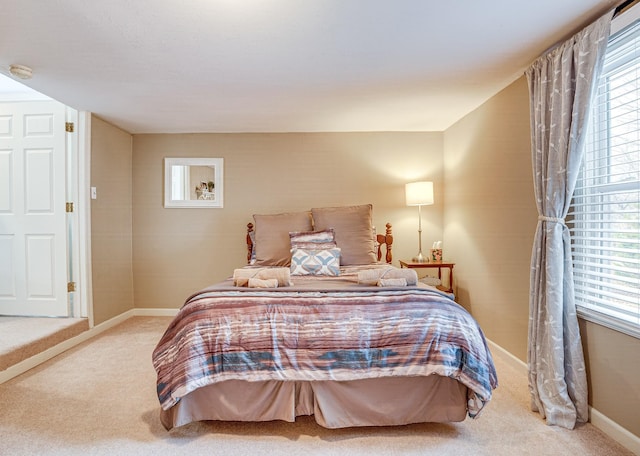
(419, 193)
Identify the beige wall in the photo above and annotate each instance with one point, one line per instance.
(490, 219)
(613, 370)
(490, 215)
(178, 251)
(111, 221)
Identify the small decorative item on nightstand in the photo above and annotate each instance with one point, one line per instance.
(436, 252)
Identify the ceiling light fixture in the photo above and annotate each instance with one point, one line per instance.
(21, 71)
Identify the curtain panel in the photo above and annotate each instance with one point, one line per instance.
(561, 87)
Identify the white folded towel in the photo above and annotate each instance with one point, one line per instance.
(282, 275)
(372, 276)
(263, 283)
(402, 282)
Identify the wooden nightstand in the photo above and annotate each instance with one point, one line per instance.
(434, 264)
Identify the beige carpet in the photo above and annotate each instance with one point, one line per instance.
(24, 337)
(99, 399)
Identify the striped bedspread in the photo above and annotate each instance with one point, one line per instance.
(302, 334)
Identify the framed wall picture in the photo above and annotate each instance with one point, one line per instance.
(193, 182)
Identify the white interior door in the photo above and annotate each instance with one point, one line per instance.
(33, 253)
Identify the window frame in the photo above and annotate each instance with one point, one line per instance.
(595, 314)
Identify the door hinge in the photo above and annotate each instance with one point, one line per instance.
(71, 286)
(69, 207)
(68, 127)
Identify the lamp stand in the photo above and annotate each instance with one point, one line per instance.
(419, 258)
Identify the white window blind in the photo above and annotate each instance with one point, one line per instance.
(605, 215)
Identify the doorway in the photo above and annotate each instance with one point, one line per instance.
(44, 249)
(33, 218)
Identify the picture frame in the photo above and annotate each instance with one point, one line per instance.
(193, 182)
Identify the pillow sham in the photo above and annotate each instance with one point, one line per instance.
(324, 262)
(353, 231)
(272, 244)
(324, 239)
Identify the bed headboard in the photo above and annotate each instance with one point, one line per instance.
(385, 239)
(381, 239)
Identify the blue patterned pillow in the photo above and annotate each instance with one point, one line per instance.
(315, 262)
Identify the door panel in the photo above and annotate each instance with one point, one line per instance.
(6, 181)
(7, 267)
(32, 209)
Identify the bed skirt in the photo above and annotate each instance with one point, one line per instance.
(368, 402)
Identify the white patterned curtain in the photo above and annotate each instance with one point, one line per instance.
(561, 87)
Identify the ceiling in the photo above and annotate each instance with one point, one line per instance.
(166, 66)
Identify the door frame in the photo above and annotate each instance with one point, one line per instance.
(78, 178)
(82, 256)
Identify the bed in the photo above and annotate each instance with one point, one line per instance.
(316, 324)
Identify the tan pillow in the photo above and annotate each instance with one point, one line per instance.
(273, 247)
(353, 230)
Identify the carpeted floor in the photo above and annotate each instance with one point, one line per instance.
(23, 337)
(99, 399)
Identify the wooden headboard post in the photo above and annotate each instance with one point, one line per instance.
(386, 239)
(249, 242)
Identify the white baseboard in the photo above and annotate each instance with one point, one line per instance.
(625, 438)
(602, 422)
(155, 312)
(35, 360)
(512, 360)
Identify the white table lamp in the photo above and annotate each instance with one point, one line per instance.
(419, 194)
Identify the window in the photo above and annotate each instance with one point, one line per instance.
(180, 182)
(605, 215)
